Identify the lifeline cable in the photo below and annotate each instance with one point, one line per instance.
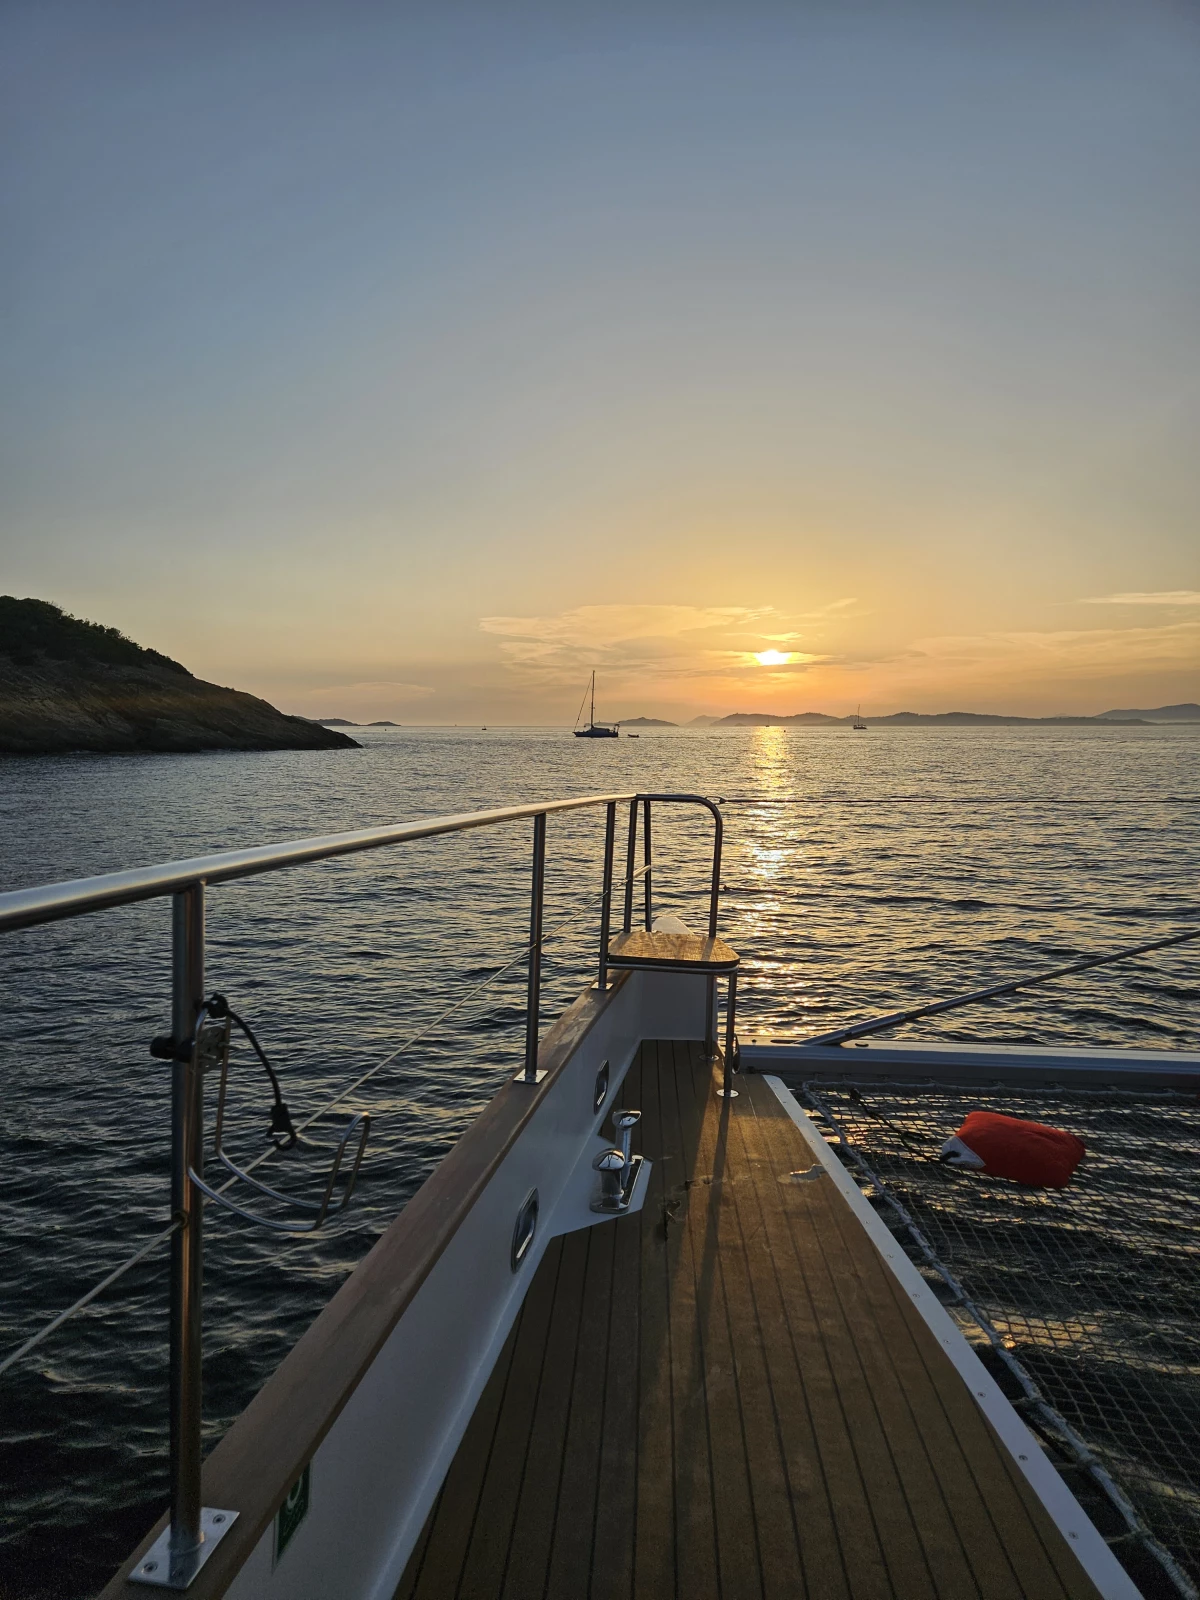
(86, 1299)
(428, 1027)
(859, 1029)
(140, 1254)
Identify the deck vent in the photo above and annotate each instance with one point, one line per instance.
(526, 1227)
(601, 1092)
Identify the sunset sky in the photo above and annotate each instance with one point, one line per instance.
(412, 361)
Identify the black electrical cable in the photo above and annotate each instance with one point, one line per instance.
(281, 1120)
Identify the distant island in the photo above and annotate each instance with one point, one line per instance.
(1187, 712)
(67, 684)
(760, 719)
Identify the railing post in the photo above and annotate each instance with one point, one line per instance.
(533, 998)
(714, 899)
(187, 1244)
(194, 1530)
(610, 839)
(646, 860)
(630, 857)
(727, 1089)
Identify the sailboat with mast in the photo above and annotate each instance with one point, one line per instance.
(593, 729)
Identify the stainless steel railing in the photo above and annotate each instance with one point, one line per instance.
(186, 882)
(24, 908)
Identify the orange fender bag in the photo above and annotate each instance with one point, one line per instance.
(1011, 1147)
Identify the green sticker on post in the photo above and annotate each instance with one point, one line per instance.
(292, 1512)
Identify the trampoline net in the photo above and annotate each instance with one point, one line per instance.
(1090, 1294)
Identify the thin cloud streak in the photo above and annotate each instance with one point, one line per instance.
(623, 640)
(1138, 597)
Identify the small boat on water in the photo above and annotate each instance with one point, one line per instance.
(859, 724)
(593, 729)
(635, 1302)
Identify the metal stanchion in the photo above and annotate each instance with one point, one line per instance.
(630, 855)
(531, 1074)
(187, 1246)
(646, 859)
(610, 838)
(727, 1089)
(177, 1555)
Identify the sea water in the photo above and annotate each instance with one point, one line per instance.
(862, 872)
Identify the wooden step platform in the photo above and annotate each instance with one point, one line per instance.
(728, 1395)
(641, 948)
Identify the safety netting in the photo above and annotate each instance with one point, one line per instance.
(1084, 1302)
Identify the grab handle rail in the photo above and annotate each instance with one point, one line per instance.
(718, 840)
(360, 1123)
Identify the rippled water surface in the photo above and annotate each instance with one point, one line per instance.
(862, 871)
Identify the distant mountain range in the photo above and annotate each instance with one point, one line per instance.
(1188, 712)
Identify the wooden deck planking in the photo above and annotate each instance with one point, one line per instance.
(957, 1522)
(575, 1502)
(728, 1395)
(984, 1501)
(753, 1510)
(483, 1553)
(906, 1507)
(924, 1551)
(617, 1486)
(801, 1389)
(697, 1456)
(537, 1507)
(655, 1524)
(435, 1566)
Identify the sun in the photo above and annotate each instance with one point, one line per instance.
(771, 658)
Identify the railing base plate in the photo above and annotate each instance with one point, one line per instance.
(160, 1570)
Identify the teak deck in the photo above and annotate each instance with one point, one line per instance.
(728, 1395)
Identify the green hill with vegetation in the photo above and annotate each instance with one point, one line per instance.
(67, 684)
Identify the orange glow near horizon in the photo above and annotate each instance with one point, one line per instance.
(788, 388)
